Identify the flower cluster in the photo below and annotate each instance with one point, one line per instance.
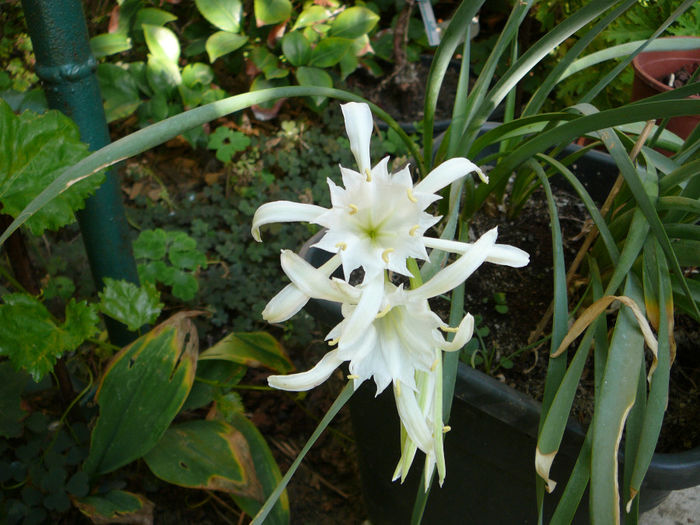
(377, 222)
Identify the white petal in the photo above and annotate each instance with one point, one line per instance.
(311, 281)
(367, 309)
(454, 274)
(499, 254)
(445, 174)
(309, 379)
(358, 125)
(284, 211)
(412, 418)
(463, 335)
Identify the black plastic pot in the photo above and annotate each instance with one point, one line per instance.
(490, 449)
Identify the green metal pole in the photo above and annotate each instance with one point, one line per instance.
(66, 67)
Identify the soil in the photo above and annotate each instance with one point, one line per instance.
(681, 77)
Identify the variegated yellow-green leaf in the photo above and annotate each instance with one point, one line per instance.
(251, 349)
(117, 506)
(209, 455)
(141, 392)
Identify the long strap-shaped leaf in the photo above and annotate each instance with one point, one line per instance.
(162, 131)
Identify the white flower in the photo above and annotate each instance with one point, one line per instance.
(378, 220)
(391, 335)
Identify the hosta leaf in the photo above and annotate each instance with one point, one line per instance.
(35, 150)
(117, 506)
(354, 22)
(272, 11)
(251, 349)
(28, 335)
(222, 43)
(224, 14)
(141, 392)
(213, 377)
(210, 455)
(11, 413)
(132, 305)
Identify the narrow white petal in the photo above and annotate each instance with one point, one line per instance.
(412, 418)
(284, 211)
(463, 335)
(454, 274)
(311, 281)
(358, 125)
(499, 254)
(445, 174)
(309, 379)
(367, 309)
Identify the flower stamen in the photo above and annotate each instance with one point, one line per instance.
(385, 311)
(333, 342)
(398, 388)
(385, 255)
(353, 209)
(342, 245)
(411, 198)
(368, 174)
(434, 365)
(353, 376)
(446, 328)
(412, 231)
(446, 429)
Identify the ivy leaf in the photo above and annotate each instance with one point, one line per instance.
(28, 335)
(34, 150)
(132, 305)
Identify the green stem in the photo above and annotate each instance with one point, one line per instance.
(340, 401)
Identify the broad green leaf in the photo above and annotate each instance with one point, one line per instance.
(272, 11)
(330, 51)
(185, 285)
(34, 150)
(296, 48)
(312, 14)
(109, 44)
(354, 22)
(11, 413)
(312, 76)
(267, 472)
(163, 77)
(162, 43)
(209, 455)
(151, 244)
(224, 14)
(183, 252)
(197, 74)
(251, 349)
(348, 64)
(266, 62)
(155, 271)
(119, 91)
(81, 322)
(132, 305)
(222, 43)
(153, 16)
(141, 392)
(116, 506)
(213, 379)
(29, 336)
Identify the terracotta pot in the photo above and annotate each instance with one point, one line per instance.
(652, 67)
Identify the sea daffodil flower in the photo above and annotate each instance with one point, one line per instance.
(391, 335)
(378, 220)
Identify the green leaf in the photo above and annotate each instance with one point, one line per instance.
(183, 252)
(354, 22)
(162, 43)
(119, 91)
(209, 455)
(272, 11)
(224, 14)
(213, 378)
(227, 143)
(151, 244)
(311, 76)
(222, 43)
(252, 349)
(296, 48)
(185, 285)
(266, 470)
(109, 44)
(116, 505)
(197, 75)
(330, 51)
(81, 322)
(163, 77)
(141, 392)
(153, 16)
(28, 335)
(132, 305)
(311, 15)
(155, 271)
(34, 150)
(59, 286)
(11, 413)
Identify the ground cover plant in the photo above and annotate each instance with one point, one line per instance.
(633, 261)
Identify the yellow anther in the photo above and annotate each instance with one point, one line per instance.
(411, 198)
(353, 209)
(333, 342)
(353, 376)
(482, 176)
(398, 388)
(413, 230)
(368, 174)
(385, 311)
(385, 255)
(434, 365)
(341, 245)
(446, 429)
(446, 328)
